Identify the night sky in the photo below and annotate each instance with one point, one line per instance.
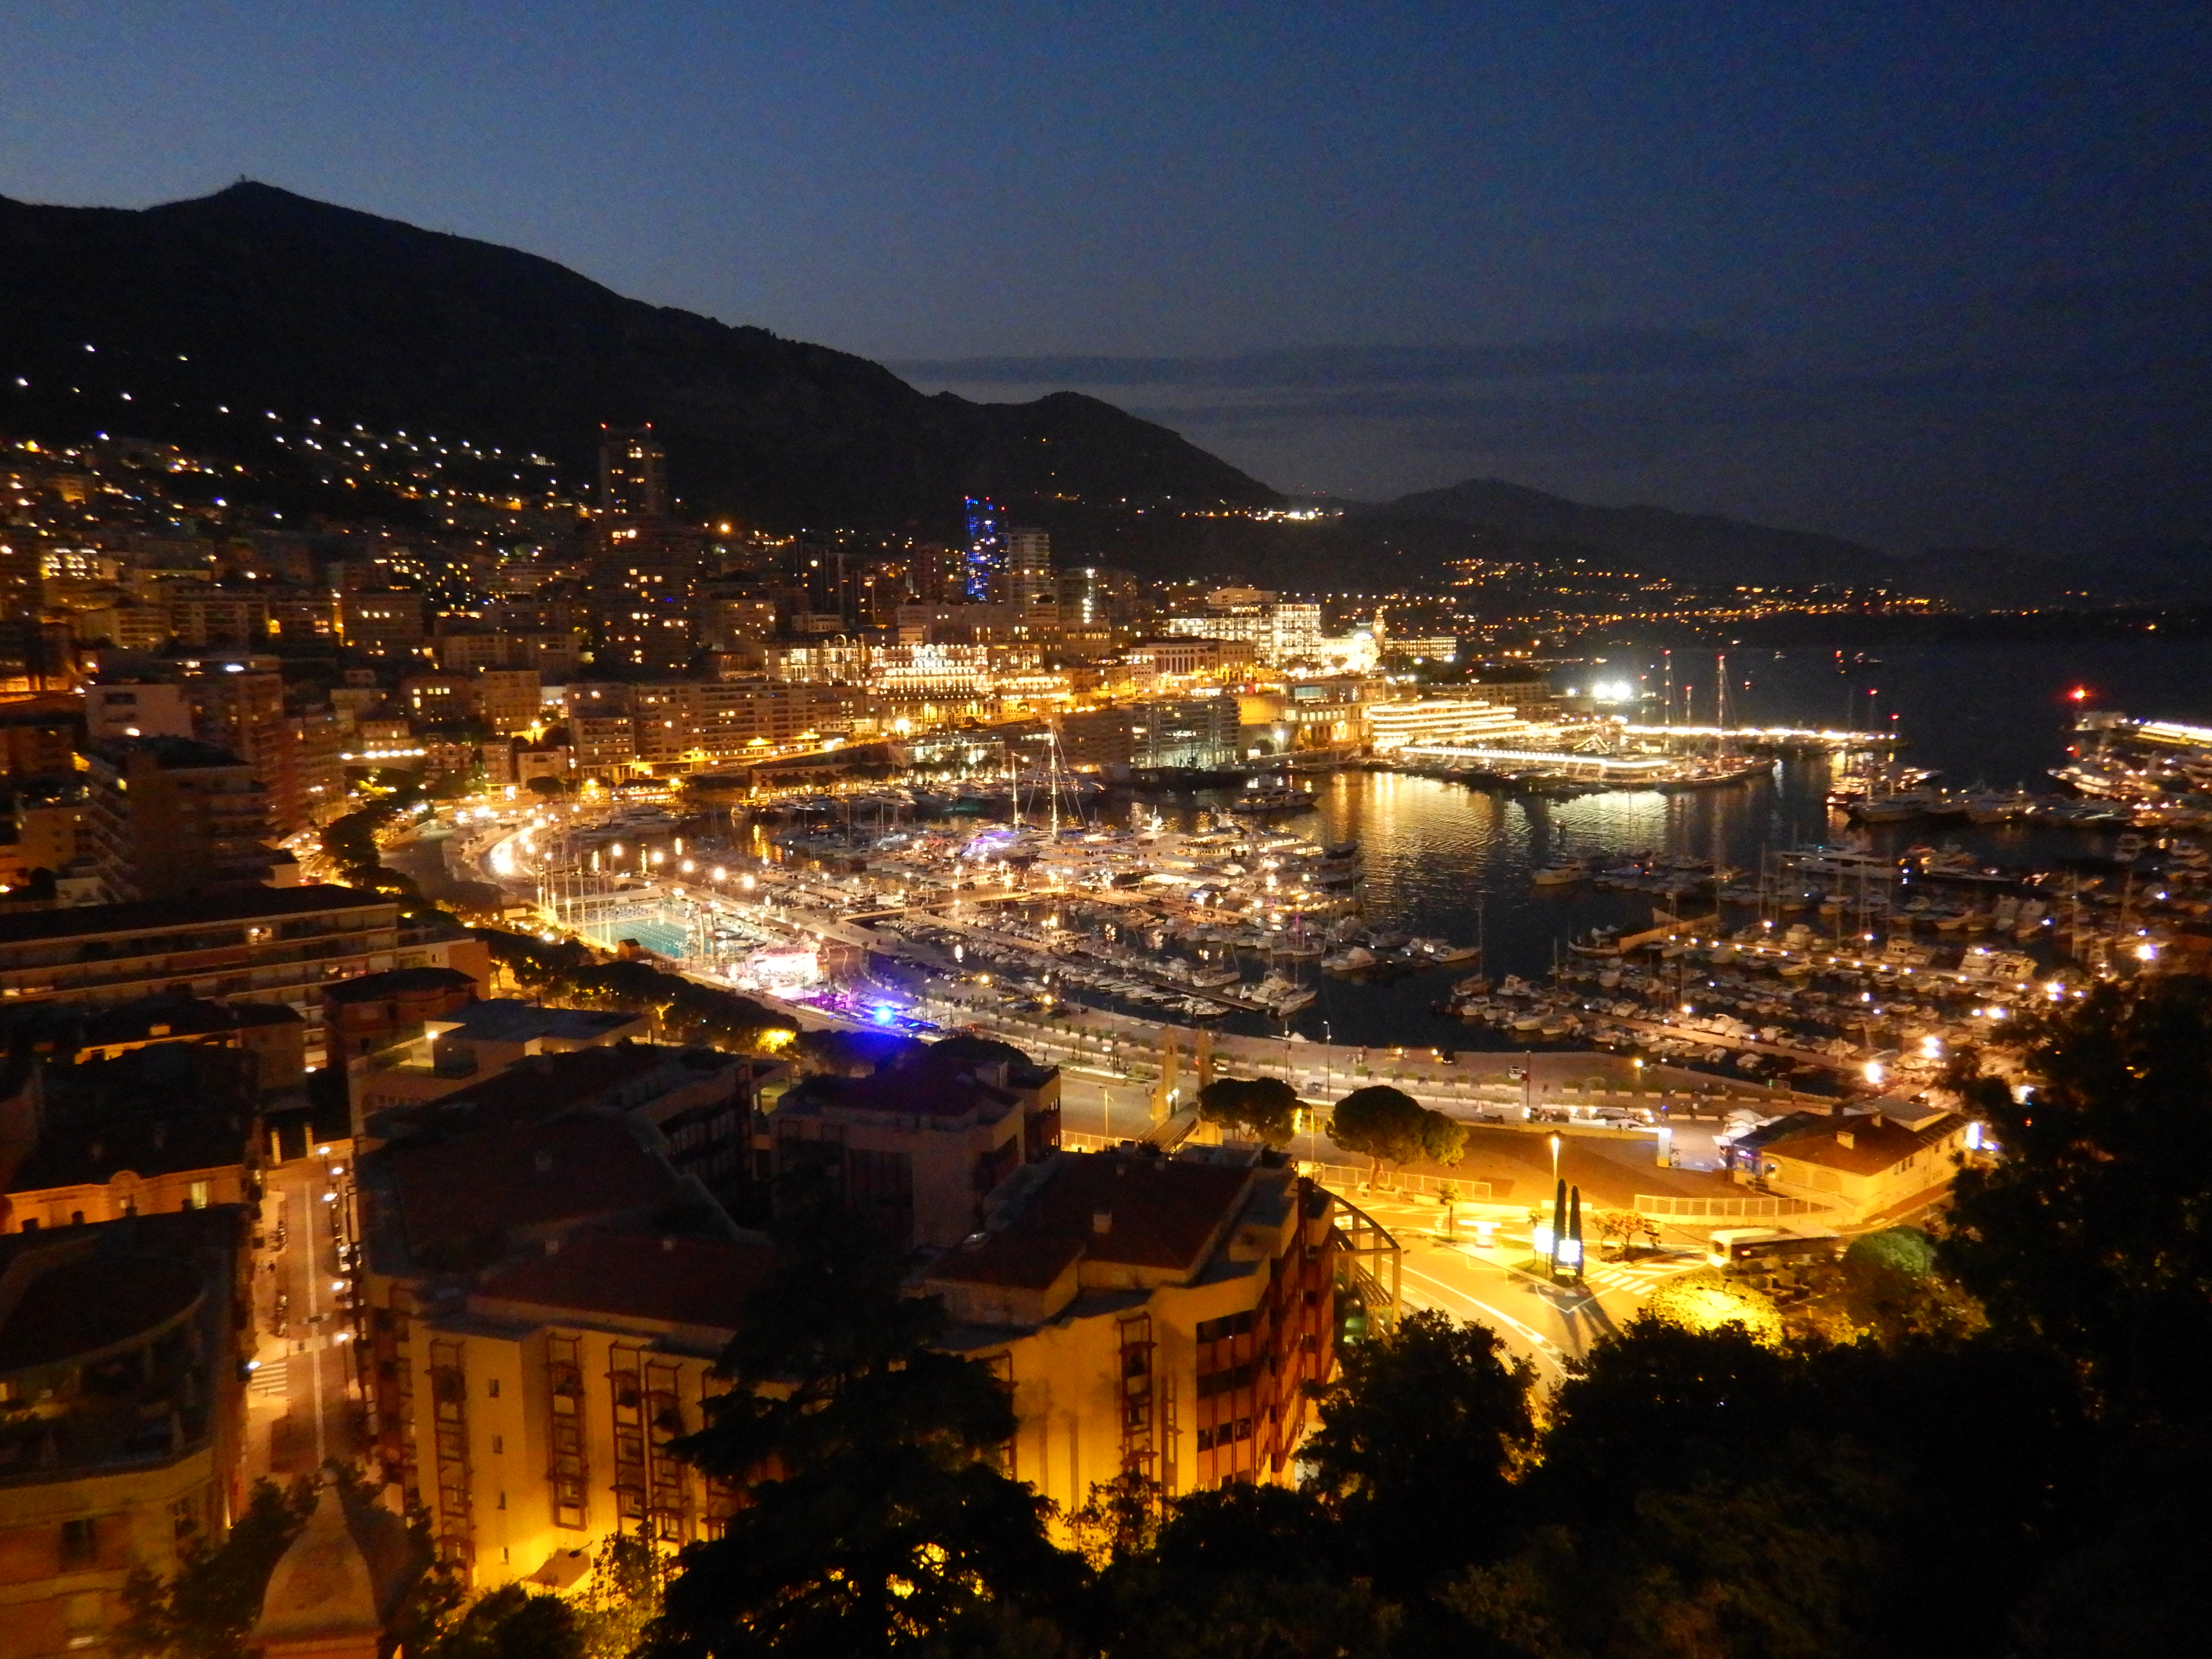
(1925, 273)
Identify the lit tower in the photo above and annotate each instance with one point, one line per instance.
(987, 551)
(1029, 569)
(632, 475)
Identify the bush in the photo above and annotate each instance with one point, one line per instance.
(1706, 1299)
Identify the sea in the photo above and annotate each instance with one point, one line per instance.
(1447, 859)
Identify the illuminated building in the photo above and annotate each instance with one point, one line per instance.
(1159, 1317)
(381, 622)
(986, 566)
(1029, 569)
(632, 475)
(171, 817)
(548, 1285)
(1281, 631)
(916, 1146)
(1392, 726)
(1097, 596)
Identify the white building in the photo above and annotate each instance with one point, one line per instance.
(1441, 719)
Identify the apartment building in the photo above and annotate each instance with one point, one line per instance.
(1156, 1314)
(1281, 631)
(39, 735)
(546, 1290)
(382, 622)
(173, 816)
(259, 946)
(122, 1414)
(156, 708)
(1191, 658)
(917, 1145)
(150, 1131)
(511, 700)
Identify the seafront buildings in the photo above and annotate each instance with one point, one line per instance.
(491, 1248)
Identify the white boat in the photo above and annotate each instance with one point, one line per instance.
(1558, 875)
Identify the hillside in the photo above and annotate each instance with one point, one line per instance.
(1688, 547)
(258, 298)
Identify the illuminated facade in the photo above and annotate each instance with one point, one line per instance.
(632, 475)
(986, 568)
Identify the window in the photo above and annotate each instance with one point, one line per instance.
(197, 1199)
(498, 1444)
(80, 1542)
(495, 1388)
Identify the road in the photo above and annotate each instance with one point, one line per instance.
(1544, 1324)
(303, 1406)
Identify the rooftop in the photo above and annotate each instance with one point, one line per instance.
(196, 909)
(502, 1020)
(396, 982)
(122, 1332)
(951, 1079)
(1864, 1144)
(1123, 1208)
(154, 1111)
(699, 1280)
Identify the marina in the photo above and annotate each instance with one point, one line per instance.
(1756, 933)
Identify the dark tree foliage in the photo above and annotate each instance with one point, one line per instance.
(1266, 1108)
(205, 1611)
(1390, 1126)
(1418, 1440)
(2093, 1232)
(512, 1623)
(1245, 1572)
(683, 1009)
(876, 1522)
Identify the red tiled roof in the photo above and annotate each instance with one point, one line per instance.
(1015, 1258)
(676, 1280)
(1876, 1142)
(476, 1188)
(1160, 1212)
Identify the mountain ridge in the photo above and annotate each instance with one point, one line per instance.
(1696, 547)
(256, 296)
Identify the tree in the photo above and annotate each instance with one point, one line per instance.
(1626, 1226)
(1707, 1299)
(621, 1598)
(1417, 1436)
(1381, 1122)
(1266, 1107)
(205, 1611)
(2090, 1231)
(1443, 1139)
(1244, 1571)
(513, 1623)
(876, 1520)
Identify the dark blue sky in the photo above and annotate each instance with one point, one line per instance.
(1921, 273)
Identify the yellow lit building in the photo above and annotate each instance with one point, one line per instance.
(1151, 1314)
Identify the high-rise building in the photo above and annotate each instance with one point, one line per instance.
(644, 595)
(632, 475)
(1029, 569)
(1097, 596)
(986, 551)
(173, 816)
